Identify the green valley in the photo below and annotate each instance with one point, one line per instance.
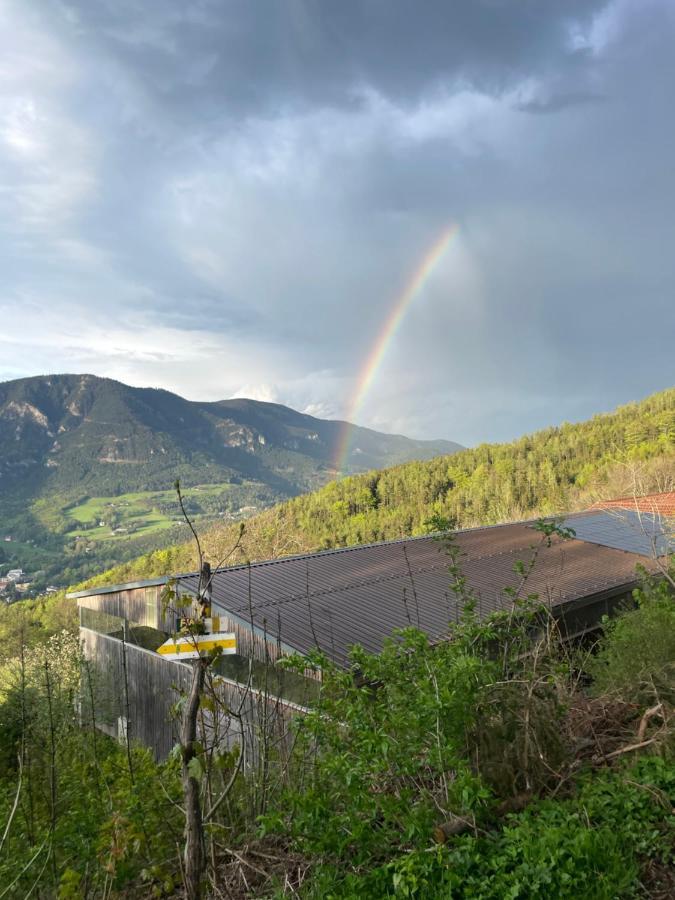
(138, 513)
(77, 451)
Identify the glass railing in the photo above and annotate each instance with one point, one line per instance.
(268, 678)
(122, 629)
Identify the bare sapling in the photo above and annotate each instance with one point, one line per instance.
(194, 850)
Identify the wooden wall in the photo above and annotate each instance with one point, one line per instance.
(143, 606)
(137, 687)
(133, 684)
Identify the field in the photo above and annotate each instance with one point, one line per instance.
(143, 512)
(114, 518)
(25, 555)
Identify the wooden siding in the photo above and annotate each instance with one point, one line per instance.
(143, 606)
(137, 687)
(249, 643)
(256, 643)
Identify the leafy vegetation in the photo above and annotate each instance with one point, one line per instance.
(488, 766)
(590, 846)
(637, 658)
(28, 623)
(555, 470)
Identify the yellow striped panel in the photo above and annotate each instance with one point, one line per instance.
(199, 643)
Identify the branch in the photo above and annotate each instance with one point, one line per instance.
(14, 805)
(228, 787)
(629, 748)
(245, 862)
(644, 721)
(189, 521)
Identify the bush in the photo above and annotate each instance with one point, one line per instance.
(636, 657)
(590, 847)
(422, 735)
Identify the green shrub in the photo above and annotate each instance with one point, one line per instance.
(590, 847)
(636, 658)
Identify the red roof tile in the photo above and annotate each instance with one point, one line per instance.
(658, 504)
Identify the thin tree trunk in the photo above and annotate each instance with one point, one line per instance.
(127, 707)
(195, 855)
(52, 768)
(26, 743)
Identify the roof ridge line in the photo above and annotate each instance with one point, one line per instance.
(418, 570)
(354, 547)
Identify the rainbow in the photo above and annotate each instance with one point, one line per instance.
(377, 353)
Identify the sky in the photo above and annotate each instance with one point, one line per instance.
(230, 197)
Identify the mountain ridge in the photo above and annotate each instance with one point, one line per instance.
(42, 409)
(69, 440)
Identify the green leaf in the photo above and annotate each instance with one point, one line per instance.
(195, 768)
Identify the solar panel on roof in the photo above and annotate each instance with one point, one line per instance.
(625, 529)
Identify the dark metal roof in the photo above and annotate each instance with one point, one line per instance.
(625, 529)
(360, 594)
(116, 588)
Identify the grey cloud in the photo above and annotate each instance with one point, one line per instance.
(231, 196)
(229, 57)
(557, 102)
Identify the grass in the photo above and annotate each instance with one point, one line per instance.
(135, 513)
(138, 513)
(24, 555)
(134, 526)
(125, 505)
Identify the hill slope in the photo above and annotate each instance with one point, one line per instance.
(558, 469)
(77, 451)
(83, 432)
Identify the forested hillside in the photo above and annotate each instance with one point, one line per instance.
(87, 465)
(558, 469)
(536, 771)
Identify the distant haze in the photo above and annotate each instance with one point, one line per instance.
(229, 199)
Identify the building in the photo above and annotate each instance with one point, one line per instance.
(358, 595)
(661, 505)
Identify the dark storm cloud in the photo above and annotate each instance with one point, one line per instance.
(222, 197)
(237, 56)
(558, 102)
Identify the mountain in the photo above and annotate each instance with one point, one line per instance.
(70, 441)
(631, 450)
(82, 432)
